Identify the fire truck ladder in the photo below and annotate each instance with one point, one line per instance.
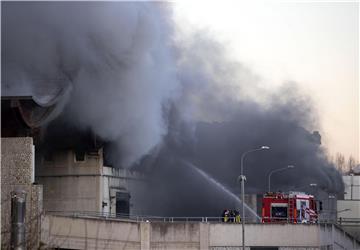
(291, 208)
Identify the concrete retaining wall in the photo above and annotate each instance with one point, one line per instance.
(71, 233)
(91, 233)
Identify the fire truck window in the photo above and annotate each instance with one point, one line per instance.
(279, 212)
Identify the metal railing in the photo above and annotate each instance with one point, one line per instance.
(283, 220)
(144, 218)
(349, 221)
(151, 218)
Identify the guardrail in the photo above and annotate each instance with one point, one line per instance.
(349, 221)
(139, 218)
(150, 218)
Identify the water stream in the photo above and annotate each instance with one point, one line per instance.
(222, 188)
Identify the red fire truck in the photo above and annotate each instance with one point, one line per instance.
(292, 207)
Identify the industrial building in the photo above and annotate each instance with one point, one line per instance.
(66, 180)
(59, 180)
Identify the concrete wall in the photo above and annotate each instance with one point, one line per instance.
(349, 208)
(74, 233)
(63, 163)
(350, 220)
(85, 233)
(352, 187)
(71, 185)
(71, 193)
(352, 205)
(265, 235)
(17, 167)
(174, 235)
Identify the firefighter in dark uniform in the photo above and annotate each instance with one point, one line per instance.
(237, 217)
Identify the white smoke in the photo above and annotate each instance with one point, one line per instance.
(116, 58)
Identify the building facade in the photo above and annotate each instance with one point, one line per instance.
(348, 209)
(82, 183)
(72, 179)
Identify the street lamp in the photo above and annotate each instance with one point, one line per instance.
(242, 178)
(277, 170)
(332, 211)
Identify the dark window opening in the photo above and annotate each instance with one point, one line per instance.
(48, 156)
(279, 212)
(79, 155)
(122, 204)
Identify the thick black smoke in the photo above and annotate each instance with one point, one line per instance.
(162, 101)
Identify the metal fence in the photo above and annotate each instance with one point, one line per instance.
(145, 218)
(349, 221)
(150, 218)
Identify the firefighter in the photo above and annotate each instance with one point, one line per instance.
(237, 216)
(225, 215)
(303, 217)
(232, 215)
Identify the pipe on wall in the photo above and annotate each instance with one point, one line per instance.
(18, 214)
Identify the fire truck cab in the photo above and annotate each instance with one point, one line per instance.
(292, 207)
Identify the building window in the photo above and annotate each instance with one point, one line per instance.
(79, 156)
(122, 204)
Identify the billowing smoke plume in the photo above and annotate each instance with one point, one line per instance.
(227, 126)
(162, 101)
(115, 58)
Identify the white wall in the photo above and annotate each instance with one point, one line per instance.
(352, 183)
(349, 208)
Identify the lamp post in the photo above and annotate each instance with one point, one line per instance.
(242, 178)
(277, 170)
(332, 211)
